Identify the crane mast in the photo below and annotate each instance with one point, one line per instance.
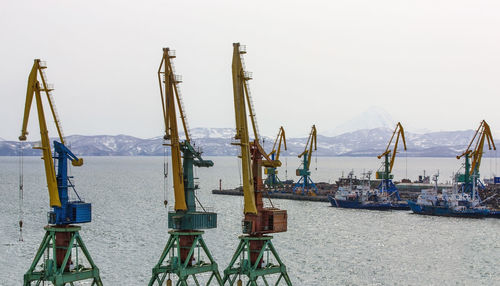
(185, 248)
(61, 235)
(305, 184)
(482, 134)
(258, 219)
(386, 184)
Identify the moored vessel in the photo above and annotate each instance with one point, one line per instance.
(362, 196)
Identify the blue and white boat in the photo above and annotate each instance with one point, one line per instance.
(364, 197)
(454, 202)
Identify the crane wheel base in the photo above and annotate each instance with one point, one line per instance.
(182, 257)
(59, 245)
(254, 254)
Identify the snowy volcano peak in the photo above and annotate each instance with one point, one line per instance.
(373, 117)
(219, 133)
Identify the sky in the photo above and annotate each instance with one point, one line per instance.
(433, 64)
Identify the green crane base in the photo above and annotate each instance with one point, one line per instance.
(59, 245)
(183, 255)
(258, 249)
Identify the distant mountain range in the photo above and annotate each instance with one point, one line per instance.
(217, 142)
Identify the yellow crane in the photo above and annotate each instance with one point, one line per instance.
(62, 236)
(386, 184)
(482, 134)
(305, 184)
(272, 181)
(35, 88)
(185, 249)
(255, 247)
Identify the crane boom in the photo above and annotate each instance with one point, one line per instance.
(239, 91)
(400, 133)
(483, 132)
(311, 143)
(168, 98)
(35, 88)
(280, 138)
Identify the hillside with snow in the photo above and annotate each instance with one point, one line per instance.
(217, 142)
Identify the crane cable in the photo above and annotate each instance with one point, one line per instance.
(195, 171)
(165, 175)
(21, 188)
(286, 169)
(315, 160)
(406, 165)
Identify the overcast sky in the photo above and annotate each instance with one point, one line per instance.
(433, 64)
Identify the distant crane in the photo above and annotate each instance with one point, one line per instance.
(272, 181)
(62, 242)
(255, 250)
(471, 174)
(305, 184)
(386, 185)
(183, 254)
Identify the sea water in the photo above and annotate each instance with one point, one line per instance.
(323, 245)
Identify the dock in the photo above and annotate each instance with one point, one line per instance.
(275, 195)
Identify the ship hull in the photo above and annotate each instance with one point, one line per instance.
(367, 205)
(445, 211)
(494, 214)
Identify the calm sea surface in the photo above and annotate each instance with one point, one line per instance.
(323, 245)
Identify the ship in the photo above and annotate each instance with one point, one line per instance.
(362, 196)
(455, 202)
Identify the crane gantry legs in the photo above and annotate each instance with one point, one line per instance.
(62, 244)
(254, 258)
(183, 256)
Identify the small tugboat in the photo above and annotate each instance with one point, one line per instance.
(463, 199)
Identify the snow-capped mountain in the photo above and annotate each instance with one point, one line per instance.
(217, 142)
(373, 117)
(221, 133)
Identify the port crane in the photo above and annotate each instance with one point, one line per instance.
(305, 184)
(185, 249)
(471, 174)
(255, 253)
(386, 185)
(59, 257)
(272, 181)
